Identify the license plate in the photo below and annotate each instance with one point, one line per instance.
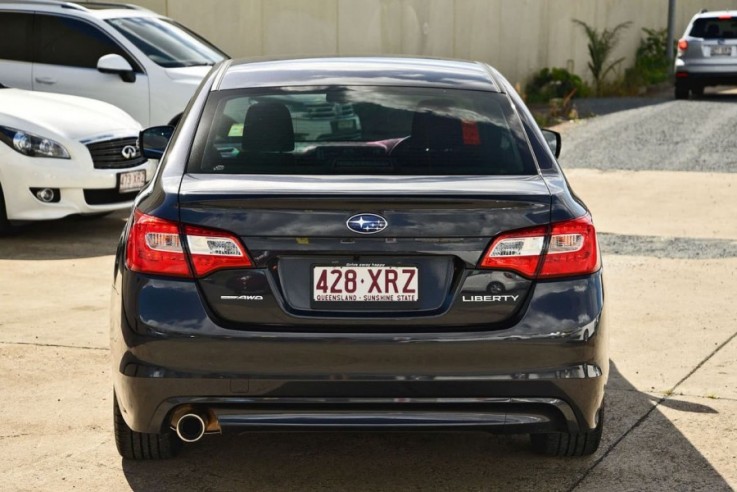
(365, 284)
(131, 181)
(721, 50)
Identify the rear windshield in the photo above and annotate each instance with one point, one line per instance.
(360, 130)
(714, 28)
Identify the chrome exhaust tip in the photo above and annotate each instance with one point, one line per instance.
(190, 427)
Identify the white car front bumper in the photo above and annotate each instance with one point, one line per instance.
(19, 174)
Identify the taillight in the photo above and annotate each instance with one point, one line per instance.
(682, 46)
(572, 250)
(214, 250)
(155, 247)
(518, 250)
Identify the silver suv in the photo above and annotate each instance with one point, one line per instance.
(707, 53)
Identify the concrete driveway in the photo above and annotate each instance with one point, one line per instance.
(670, 243)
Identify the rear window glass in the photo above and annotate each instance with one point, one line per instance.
(360, 130)
(713, 28)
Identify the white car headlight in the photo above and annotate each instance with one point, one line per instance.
(31, 144)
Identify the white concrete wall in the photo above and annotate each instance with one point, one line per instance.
(517, 36)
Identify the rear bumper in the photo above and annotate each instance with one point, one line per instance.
(545, 373)
(690, 73)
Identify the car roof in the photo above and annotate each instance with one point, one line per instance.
(387, 71)
(715, 14)
(89, 9)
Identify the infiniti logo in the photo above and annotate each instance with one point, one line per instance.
(367, 223)
(129, 152)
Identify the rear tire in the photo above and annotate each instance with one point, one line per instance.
(681, 91)
(697, 91)
(569, 443)
(134, 445)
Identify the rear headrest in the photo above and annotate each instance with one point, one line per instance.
(268, 127)
(432, 126)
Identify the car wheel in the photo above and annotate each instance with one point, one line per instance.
(569, 443)
(681, 91)
(4, 224)
(698, 91)
(134, 445)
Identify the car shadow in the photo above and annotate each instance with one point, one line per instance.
(439, 460)
(68, 238)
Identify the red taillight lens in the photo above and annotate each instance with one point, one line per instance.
(214, 250)
(154, 246)
(518, 250)
(682, 46)
(572, 250)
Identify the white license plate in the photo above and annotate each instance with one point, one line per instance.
(365, 284)
(131, 181)
(721, 50)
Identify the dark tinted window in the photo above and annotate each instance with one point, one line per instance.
(70, 42)
(714, 28)
(360, 130)
(15, 36)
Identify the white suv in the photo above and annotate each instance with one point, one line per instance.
(145, 64)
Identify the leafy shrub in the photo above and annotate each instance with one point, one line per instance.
(550, 83)
(601, 45)
(651, 61)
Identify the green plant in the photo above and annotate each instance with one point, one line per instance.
(651, 60)
(550, 83)
(600, 45)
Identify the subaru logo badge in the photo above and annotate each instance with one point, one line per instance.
(367, 223)
(129, 152)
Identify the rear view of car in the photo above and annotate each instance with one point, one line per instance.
(707, 53)
(429, 268)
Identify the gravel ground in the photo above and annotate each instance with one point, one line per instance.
(667, 247)
(695, 135)
(659, 134)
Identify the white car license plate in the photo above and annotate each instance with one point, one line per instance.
(365, 284)
(131, 181)
(721, 50)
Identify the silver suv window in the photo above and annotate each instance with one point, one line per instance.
(360, 130)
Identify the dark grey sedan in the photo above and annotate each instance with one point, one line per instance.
(418, 263)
